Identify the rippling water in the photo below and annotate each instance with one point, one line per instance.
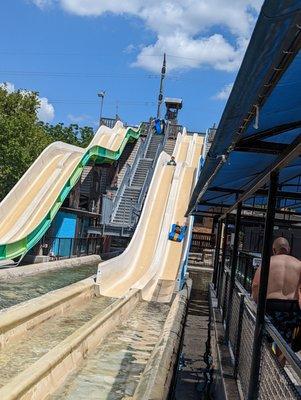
(23, 352)
(24, 288)
(113, 370)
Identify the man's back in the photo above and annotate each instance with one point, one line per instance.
(283, 303)
(284, 277)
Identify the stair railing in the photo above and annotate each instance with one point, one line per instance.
(129, 175)
(120, 191)
(141, 153)
(149, 136)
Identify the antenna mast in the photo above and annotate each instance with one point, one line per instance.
(160, 97)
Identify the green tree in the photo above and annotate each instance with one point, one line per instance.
(21, 136)
(72, 134)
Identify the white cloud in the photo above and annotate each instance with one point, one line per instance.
(129, 49)
(42, 3)
(10, 87)
(224, 93)
(190, 29)
(77, 119)
(45, 111)
(83, 119)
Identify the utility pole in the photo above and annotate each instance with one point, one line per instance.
(160, 97)
(101, 95)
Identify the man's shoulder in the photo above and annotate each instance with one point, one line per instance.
(285, 259)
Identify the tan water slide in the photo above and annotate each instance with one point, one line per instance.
(151, 262)
(27, 211)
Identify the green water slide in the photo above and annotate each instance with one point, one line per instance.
(29, 208)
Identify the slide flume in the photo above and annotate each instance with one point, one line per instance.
(151, 262)
(29, 208)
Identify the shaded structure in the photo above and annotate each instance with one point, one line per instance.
(252, 178)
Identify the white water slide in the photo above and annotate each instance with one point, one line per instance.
(151, 262)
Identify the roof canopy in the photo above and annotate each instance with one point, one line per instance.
(260, 129)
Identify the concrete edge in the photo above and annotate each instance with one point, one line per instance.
(48, 373)
(24, 316)
(32, 269)
(225, 385)
(156, 378)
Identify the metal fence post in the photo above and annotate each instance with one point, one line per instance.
(264, 278)
(70, 248)
(222, 266)
(238, 338)
(217, 252)
(233, 269)
(59, 245)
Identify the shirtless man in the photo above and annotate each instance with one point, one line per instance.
(283, 294)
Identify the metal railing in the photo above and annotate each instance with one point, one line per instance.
(110, 205)
(174, 130)
(109, 210)
(201, 241)
(57, 248)
(109, 122)
(239, 315)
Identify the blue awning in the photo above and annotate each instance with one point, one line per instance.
(262, 116)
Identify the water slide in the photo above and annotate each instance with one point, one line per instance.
(29, 208)
(151, 262)
(45, 340)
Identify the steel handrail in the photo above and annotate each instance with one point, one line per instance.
(149, 136)
(120, 191)
(250, 306)
(128, 176)
(141, 154)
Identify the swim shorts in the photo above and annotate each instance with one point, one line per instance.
(285, 315)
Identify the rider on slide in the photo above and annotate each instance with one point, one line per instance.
(177, 232)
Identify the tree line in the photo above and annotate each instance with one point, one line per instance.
(23, 137)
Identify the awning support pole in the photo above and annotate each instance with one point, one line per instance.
(234, 259)
(222, 267)
(264, 278)
(217, 252)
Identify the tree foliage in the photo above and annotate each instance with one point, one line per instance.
(72, 134)
(23, 137)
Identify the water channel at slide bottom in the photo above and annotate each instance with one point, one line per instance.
(20, 289)
(113, 370)
(23, 352)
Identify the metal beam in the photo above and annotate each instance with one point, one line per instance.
(221, 269)
(263, 286)
(217, 252)
(233, 268)
(275, 130)
(293, 151)
(260, 192)
(258, 146)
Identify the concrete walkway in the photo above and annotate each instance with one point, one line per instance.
(190, 377)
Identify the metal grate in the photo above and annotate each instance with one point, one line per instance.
(226, 295)
(246, 346)
(234, 322)
(274, 381)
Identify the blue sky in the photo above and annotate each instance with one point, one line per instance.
(68, 50)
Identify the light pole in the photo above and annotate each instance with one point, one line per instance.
(101, 95)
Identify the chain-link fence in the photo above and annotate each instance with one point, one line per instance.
(57, 248)
(276, 381)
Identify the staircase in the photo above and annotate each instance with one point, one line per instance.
(141, 172)
(203, 259)
(132, 193)
(153, 146)
(124, 210)
(169, 146)
(127, 158)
